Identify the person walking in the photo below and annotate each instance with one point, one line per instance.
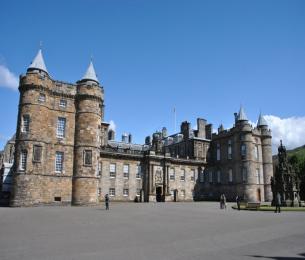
(238, 202)
(224, 201)
(221, 201)
(107, 201)
(278, 203)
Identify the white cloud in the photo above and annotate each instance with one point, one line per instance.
(291, 130)
(112, 125)
(8, 79)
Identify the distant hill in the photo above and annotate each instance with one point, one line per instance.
(299, 152)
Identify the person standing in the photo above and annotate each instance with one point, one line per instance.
(238, 202)
(278, 203)
(107, 201)
(224, 201)
(221, 201)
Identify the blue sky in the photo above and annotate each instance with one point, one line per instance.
(203, 57)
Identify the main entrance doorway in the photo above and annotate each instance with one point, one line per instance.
(159, 194)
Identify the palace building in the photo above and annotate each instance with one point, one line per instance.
(65, 154)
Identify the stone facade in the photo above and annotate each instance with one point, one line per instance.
(65, 152)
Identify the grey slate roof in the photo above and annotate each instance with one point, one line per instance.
(90, 73)
(242, 115)
(38, 62)
(262, 121)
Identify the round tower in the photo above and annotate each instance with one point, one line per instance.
(30, 134)
(266, 156)
(88, 119)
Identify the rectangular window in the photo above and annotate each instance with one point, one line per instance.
(37, 151)
(182, 193)
(193, 175)
(99, 192)
(202, 176)
(258, 177)
(42, 97)
(112, 170)
(125, 192)
(59, 159)
(112, 192)
(100, 169)
(63, 103)
(218, 176)
(218, 152)
(23, 160)
(210, 176)
(229, 149)
(139, 172)
(230, 173)
(256, 154)
(25, 125)
(126, 170)
(172, 174)
(182, 176)
(88, 158)
(243, 150)
(244, 174)
(61, 127)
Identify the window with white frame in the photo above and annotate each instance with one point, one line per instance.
(210, 176)
(218, 176)
(230, 173)
(125, 192)
(218, 152)
(193, 177)
(112, 170)
(42, 97)
(258, 177)
(244, 174)
(256, 153)
(59, 160)
(111, 192)
(229, 149)
(61, 127)
(25, 124)
(182, 176)
(202, 176)
(182, 193)
(126, 171)
(23, 160)
(139, 172)
(63, 103)
(172, 174)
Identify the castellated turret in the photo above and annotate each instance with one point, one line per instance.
(88, 120)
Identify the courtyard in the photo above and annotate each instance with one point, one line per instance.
(131, 231)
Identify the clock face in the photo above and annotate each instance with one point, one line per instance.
(158, 176)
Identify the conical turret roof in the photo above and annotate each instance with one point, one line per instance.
(38, 62)
(242, 115)
(90, 73)
(261, 121)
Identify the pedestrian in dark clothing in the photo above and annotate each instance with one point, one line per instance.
(221, 201)
(107, 201)
(238, 202)
(278, 203)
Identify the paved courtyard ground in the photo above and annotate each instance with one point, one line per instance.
(180, 231)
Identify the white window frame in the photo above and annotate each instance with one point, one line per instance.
(256, 152)
(61, 127)
(23, 160)
(63, 103)
(25, 124)
(139, 172)
(193, 175)
(182, 175)
(171, 174)
(258, 176)
(125, 192)
(126, 171)
(59, 162)
(42, 98)
(112, 170)
(111, 192)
